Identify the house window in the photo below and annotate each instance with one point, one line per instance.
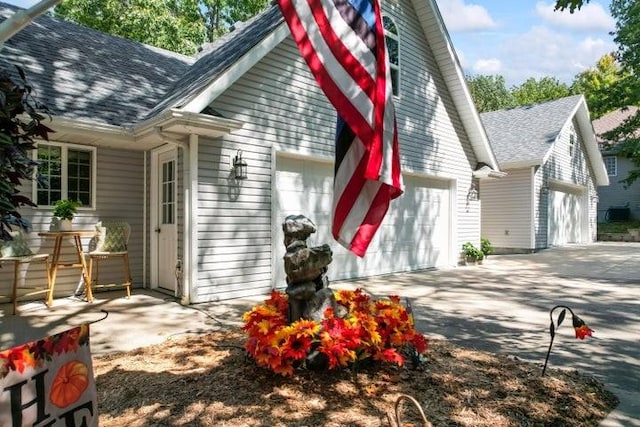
(572, 144)
(611, 163)
(66, 172)
(393, 47)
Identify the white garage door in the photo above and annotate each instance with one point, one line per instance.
(414, 235)
(565, 218)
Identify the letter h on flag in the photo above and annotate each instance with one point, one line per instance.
(343, 43)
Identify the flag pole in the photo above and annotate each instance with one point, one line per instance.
(22, 18)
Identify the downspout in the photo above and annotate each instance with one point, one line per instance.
(144, 221)
(191, 259)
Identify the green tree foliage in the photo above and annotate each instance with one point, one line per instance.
(176, 25)
(601, 86)
(626, 13)
(572, 5)
(533, 91)
(490, 93)
(20, 122)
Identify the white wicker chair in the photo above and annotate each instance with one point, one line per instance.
(111, 242)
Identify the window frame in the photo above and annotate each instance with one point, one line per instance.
(64, 160)
(572, 144)
(615, 164)
(396, 67)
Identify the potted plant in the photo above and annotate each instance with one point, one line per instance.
(486, 247)
(471, 253)
(65, 210)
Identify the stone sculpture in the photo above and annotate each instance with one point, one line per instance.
(306, 270)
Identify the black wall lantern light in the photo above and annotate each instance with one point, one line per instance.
(239, 166)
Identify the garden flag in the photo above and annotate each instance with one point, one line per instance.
(49, 382)
(343, 43)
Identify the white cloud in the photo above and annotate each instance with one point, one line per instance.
(591, 16)
(542, 52)
(487, 66)
(459, 16)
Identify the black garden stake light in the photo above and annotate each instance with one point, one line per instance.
(581, 328)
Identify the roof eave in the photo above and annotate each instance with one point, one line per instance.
(186, 123)
(449, 65)
(591, 145)
(518, 164)
(236, 71)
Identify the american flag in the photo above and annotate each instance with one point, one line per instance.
(343, 43)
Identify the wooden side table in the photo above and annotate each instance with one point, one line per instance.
(81, 263)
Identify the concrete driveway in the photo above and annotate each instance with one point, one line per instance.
(501, 306)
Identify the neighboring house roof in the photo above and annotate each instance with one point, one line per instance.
(84, 74)
(524, 136)
(611, 121)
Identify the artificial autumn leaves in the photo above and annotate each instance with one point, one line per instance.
(371, 329)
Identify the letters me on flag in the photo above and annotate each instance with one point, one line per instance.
(343, 43)
(49, 382)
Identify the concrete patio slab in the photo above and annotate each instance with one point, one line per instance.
(500, 306)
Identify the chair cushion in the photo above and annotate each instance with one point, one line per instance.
(17, 247)
(112, 237)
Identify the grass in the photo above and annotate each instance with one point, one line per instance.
(617, 226)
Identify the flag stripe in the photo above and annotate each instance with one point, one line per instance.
(357, 23)
(331, 77)
(343, 43)
(363, 74)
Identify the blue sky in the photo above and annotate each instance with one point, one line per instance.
(519, 39)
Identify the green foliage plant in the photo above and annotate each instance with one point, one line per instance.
(21, 118)
(485, 246)
(66, 209)
(470, 251)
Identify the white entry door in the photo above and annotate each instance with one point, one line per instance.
(165, 214)
(415, 233)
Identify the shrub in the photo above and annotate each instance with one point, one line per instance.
(471, 251)
(485, 246)
(20, 122)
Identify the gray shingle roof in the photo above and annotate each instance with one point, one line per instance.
(81, 73)
(525, 134)
(612, 120)
(219, 56)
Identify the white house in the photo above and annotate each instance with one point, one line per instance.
(159, 132)
(553, 167)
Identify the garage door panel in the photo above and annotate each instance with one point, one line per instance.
(413, 235)
(565, 218)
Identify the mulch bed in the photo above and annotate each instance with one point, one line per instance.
(208, 380)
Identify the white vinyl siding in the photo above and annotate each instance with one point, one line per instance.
(234, 219)
(507, 209)
(414, 234)
(573, 170)
(119, 195)
(283, 110)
